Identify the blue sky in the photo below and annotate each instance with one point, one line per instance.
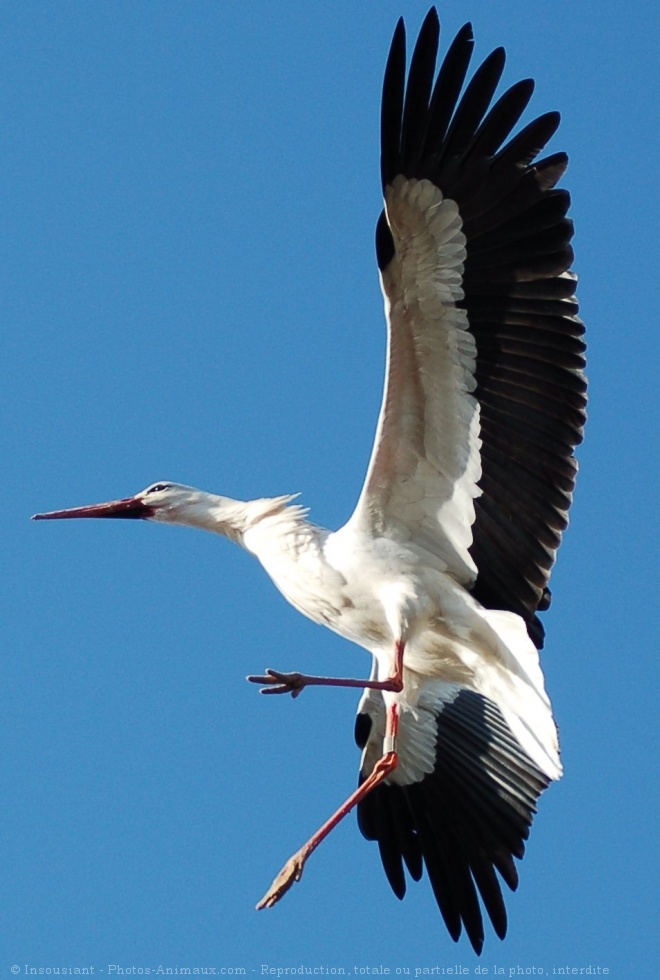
(188, 194)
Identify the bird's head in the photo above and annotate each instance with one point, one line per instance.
(172, 503)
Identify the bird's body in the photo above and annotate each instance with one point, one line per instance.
(443, 567)
(374, 590)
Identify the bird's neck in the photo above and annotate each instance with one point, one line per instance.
(236, 519)
(289, 547)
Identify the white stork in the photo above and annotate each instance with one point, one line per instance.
(444, 564)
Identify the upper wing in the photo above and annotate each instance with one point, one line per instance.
(484, 396)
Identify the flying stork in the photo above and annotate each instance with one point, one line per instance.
(443, 567)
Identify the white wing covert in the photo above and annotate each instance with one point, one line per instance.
(423, 474)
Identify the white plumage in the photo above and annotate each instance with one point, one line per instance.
(443, 566)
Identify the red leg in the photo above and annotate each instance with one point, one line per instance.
(293, 869)
(293, 683)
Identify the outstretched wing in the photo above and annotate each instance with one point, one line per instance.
(459, 804)
(484, 395)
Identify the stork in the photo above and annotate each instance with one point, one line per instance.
(443, 567)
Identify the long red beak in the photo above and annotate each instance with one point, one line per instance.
(133, 507)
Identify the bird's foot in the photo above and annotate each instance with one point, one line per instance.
(290, 873)
(291, 683)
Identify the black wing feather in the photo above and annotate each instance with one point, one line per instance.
(419, 88)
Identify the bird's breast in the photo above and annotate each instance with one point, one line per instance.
(371, 590)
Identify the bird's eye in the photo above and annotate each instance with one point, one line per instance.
(158, 486)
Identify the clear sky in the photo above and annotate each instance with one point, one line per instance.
(188, 193)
